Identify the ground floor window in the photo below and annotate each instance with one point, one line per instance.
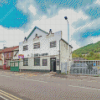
(36, 61)
(44, 62)
(25, 62)
(58, 62)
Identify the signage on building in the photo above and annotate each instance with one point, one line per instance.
(43, 54)
(20, 56)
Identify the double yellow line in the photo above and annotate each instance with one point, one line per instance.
(10, 96)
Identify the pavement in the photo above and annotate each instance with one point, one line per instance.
(47, 86)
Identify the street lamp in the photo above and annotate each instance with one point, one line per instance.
(66, 18)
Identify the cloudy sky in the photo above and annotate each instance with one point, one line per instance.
(19, 17)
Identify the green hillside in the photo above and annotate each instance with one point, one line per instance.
(91, 49)
(86, 49)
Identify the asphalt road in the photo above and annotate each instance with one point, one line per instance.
(37, 86)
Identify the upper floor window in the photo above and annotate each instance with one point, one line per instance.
(16, 53)
(36, 45)
(5, 54)
(9, 54)
(52, 44)
(25, 47)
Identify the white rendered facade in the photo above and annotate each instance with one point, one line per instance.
(44, 39)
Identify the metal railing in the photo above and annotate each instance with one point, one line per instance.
(85, 67)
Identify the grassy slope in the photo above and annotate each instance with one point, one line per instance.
(86, 49)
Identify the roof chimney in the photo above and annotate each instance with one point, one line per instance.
(50, 31)
(25, 39)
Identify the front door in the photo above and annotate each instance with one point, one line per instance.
(53, 64)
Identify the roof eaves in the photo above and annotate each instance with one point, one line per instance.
(66, 42)
(34, 30)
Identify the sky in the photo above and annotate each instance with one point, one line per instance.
(19, 17)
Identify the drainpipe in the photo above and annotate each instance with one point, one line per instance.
(59, 55)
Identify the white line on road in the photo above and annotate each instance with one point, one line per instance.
(5, 75)
(34, 80)
(84, 87)
(3, 97)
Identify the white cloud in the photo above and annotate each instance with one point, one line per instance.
(97, 2)
(32, 9)
(11, 36)
(96, 39)
(56, 23)
(26, 6)
(91, 25)
(52, 9)
(75, 45)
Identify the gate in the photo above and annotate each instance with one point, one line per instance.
(85, 67)
(64, 67)
(14, 66)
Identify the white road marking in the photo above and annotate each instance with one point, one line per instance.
(84, 87)
(3, 97)
(5, 75)
(34, 80)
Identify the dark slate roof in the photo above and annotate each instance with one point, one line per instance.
(66, 42)
(34, 30)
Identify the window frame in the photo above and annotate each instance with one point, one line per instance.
(36, 45)
(43, 64)
(5, 55)
(9, 54)
(35, 59)
(52, 43)
(25, 63)
(24, 49)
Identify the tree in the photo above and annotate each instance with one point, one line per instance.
(74, 55)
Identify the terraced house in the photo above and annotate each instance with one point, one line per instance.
(6, 55)
(43, 51)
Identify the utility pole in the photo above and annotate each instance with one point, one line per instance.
(66, 18)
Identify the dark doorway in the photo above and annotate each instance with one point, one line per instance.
(53, 64)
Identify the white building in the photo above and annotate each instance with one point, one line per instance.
(44, 51)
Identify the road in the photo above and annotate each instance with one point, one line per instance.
(37, 86)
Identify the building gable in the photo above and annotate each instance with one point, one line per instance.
(34, 30)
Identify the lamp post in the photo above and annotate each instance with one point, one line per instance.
(66, 18)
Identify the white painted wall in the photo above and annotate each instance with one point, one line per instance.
(31, 64)
(44, 48)
(44, 44)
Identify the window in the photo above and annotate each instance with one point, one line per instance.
(25, 62)
(25, 47)
(36, 45)
(44, 54)
(9, 54)
(44, 62)
(58, 62)
(5, 54)
(36, 55)
(52, 44)
(16, 53)
(36, 61)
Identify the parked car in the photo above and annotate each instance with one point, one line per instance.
(83, 68)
